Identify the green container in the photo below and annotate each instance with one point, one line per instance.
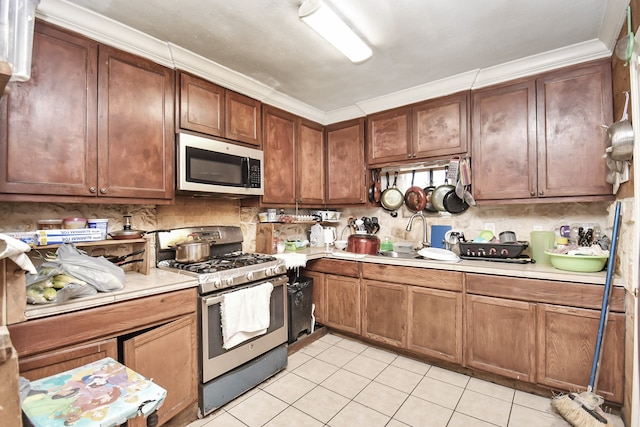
(579, 263)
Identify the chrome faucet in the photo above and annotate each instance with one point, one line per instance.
(425, 242)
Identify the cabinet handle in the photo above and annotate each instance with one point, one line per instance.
(103, 190)
(409, 156)
(533, 193)
(92, 189)
(541, 193)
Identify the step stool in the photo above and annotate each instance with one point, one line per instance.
(104, 393)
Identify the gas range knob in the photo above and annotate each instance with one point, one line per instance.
(249, 275)
(270, 271)
(229, 281)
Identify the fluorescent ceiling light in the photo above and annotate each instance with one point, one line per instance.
(325, 22)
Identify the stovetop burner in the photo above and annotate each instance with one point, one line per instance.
(222, 262)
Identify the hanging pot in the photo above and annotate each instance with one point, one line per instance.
(392, 198)
(428, 191)
(437, 197)
(620, 136)
(415, 198)
(376, 191)
(372, 188)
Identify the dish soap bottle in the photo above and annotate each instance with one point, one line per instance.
(386, 245)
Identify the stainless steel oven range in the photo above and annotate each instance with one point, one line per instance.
(228, 371)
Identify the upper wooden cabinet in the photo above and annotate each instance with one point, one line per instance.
(279, 156)
(211, 109)
(345, 163)
(542, 138)
(310, 164)
(429, 129)
(77, 130)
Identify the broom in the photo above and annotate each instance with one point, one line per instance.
(583, 409)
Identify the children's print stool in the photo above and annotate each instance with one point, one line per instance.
(100, 394)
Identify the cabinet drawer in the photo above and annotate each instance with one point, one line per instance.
(425, 277)
(552, 292)
(337, 267)
(49, 333)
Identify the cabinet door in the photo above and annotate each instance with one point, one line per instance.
(201, 105)
(566, 345)
(319, 294)
(55, 362)
(384, 312)
(343, 303)
(48, 136)
(500, 337)
(440, 126)
(310, 164)
(279, 146)
(168, 355)
(389, 136)
(242, 119)
(435, 323)
(345, 163)
(572, 107)
(504, 142)
(135, 127)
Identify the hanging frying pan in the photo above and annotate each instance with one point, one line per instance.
(454, 204)
(415, 198)
(392, 198)
(372, 188)
(429, 192)
(437, 197)
(377, 192)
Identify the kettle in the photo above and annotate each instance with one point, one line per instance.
(316, 236)
(452, 240)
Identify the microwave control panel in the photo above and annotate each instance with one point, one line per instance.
(254, 173)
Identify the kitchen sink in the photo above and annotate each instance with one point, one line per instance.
(396, 254)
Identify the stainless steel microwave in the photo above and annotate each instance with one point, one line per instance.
(208, 165)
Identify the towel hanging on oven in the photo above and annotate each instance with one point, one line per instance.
(244, 314)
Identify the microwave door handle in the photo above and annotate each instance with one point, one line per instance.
(246, 171)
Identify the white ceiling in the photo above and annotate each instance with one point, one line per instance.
(421, 48)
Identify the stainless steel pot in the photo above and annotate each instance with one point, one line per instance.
(621, 137)
(195, 250)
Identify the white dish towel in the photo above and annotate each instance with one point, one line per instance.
(244, 314)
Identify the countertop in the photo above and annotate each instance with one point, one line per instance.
(161, 281)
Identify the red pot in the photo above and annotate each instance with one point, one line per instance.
(363, 244)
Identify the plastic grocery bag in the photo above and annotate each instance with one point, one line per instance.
(51, 284)
(97, 271)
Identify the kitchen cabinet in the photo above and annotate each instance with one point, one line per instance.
(430, 129)
(211, 109)
(550, 329)
(157, 334)
(77, 130)
(534, 139)
(336, 293)
(174, 370)
(346, 184)
(294, 160)
(427, 307)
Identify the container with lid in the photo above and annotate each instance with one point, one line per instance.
(49, 224)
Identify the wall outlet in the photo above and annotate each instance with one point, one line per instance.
(491, 226)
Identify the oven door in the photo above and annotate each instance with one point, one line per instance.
(214, 359)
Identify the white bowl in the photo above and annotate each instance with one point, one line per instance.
(340, 244)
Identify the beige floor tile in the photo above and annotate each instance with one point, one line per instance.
(381, 355)
(289, 388)
(450, 377)
(258, 409)
(399, 378)
(331, 339)
(346, 383)
(321, 403)
(484, 407)
(315, 370)
(315, 348)
(273, 379)
(438, 392)
(355, 415)
(292, 417)
(412, 365)
(365, 366)
(352, 345)
(533, 401)
(462, 420)
(395, 423)
(491, 389)
(224, 420)
(527, 417)
(297, 359)
(240, 399)
(336, 356)
(420, 413)
(381, 398)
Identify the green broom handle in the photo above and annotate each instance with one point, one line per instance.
(605, 299)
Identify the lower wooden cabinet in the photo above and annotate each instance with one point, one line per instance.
(167, 354)
(384, 312)
(566, 345)
(343, 303)
(55, 362)
(435, 323)
(500, 337)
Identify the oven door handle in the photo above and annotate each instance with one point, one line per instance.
(212, 300)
